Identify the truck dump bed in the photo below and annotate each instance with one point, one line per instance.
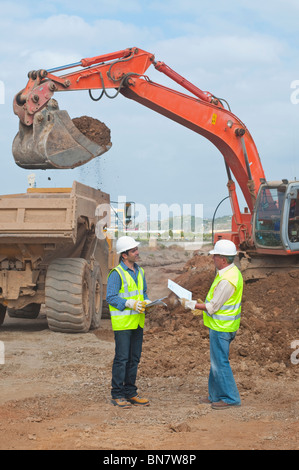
(48, 213)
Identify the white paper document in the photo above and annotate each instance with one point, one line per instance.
(179, 290)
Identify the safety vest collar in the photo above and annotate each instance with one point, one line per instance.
(125, 286)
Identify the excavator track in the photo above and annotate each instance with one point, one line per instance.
(260, 267)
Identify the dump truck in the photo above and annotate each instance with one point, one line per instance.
(51, 256)
(266, 232)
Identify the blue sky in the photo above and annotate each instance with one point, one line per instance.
(243, 51)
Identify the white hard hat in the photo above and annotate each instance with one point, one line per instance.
(125, 243)
(225, 248)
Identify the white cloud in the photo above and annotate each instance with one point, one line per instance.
(240, 51)
(223, 51)
(14, 10)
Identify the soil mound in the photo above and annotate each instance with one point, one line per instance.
(93, 129)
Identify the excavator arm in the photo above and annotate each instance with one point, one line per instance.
(124, 72)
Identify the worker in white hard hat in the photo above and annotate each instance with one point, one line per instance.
(127, 298)
(221, 314)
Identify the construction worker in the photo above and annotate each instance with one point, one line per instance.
(221, 314)
(127, 297)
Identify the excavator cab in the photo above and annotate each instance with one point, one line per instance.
(276, 217)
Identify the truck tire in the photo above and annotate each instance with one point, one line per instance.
(97, 296)
(31, 311)
(2, 313)
(68, 295)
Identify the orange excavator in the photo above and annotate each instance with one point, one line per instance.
(267, 232)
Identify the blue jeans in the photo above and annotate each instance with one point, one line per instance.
(222, 385)
(128, 348)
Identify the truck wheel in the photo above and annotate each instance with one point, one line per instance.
(97, 297)
(68, 299)
(2, 313)
(31, 311)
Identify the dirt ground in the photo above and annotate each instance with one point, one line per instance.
(55, 388)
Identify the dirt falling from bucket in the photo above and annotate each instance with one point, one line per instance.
(99, 133)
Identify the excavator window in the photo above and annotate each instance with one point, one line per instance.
(268, 216)
(293, 226)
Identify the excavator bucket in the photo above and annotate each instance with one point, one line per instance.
(54, 142)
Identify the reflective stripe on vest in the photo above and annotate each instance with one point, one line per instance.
(227, 318)
(128, 319)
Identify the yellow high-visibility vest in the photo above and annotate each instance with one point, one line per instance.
(128, 319)
(228, 317)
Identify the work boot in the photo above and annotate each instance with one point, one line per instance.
(205, 401)
(121, 402)
(137, 400)
(222, 405)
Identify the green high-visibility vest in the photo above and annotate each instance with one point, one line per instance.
(128, 319)
(228, 317)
